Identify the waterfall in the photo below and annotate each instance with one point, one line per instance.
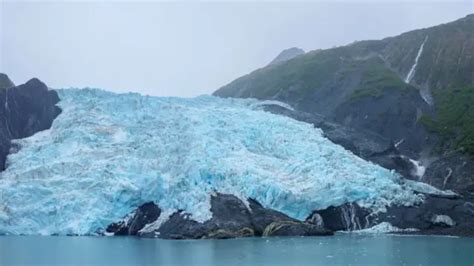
(7, 111)
(426, 95)
(411, 73)
(349, 217)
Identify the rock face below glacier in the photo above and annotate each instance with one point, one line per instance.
(24, 110)
(230, 218)
(435, 216)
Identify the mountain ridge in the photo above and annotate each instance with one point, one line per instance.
(367, 87)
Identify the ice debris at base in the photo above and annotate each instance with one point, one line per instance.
(428, 189)
(384, 227)
(443, 220)
(108, 153)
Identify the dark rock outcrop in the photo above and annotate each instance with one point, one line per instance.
(453, 171)
(363, 143)
(347, 217)
(263, 217)
(25, 110)
(435, 215)
(231, 218)
(145, 214)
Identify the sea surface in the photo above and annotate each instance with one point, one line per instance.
(342, 249)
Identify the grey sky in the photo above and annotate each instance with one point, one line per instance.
(186, 49)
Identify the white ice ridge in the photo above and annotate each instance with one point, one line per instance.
(411, 73)
(273, 102)
(107, 153)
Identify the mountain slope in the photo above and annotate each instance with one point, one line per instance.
(407, 89)
(287, 54)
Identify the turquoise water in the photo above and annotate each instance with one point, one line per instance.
(343, 249)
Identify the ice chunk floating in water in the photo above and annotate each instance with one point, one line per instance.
(108, 153)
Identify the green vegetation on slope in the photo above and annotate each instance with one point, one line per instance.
(455, 119)
(304, 73)
(377, 78)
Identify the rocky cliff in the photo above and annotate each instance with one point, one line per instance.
(24, 110)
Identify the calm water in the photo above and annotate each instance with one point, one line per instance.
(340, 249)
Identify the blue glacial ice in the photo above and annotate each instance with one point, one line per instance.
(108, 153)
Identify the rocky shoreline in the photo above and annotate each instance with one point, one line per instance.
(232, 218)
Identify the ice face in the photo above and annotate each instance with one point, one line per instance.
(108, 153)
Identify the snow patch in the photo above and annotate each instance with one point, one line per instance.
(443, 219)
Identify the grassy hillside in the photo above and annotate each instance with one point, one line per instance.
(454, 122)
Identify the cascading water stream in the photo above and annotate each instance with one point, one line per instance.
(411, 73)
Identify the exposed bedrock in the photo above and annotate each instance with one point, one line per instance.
(365, 144)
(24, 110)
(436, 215)
(453, 171)
(231, 218)
(143, 215)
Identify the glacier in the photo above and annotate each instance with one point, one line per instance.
(108, 153)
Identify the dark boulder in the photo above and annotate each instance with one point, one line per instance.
(179, 226)
(25, 110)
(263, 217)
(229, 213)
(145, 214)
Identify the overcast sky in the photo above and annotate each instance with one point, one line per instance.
(186, 49)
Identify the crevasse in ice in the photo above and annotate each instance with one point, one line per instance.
(108, 153)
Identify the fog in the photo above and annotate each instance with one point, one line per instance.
(186, 49)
